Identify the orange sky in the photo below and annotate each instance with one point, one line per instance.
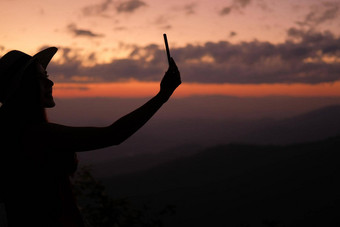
(144, 89)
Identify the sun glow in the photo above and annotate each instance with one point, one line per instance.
(146, 89)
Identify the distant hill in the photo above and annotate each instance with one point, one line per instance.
(180, 138)
(315, 125)
(244, 185)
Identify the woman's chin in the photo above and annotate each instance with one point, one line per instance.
(49, 103)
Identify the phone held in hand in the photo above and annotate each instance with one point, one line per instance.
(167, 47)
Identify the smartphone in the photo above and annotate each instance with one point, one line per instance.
(167, 48)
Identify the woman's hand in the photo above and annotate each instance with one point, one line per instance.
(170, 81)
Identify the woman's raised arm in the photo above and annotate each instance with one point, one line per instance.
(74, 139)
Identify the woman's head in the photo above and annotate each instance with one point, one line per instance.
(15, 64)
(25, 89)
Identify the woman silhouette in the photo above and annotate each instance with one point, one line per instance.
(37, 157)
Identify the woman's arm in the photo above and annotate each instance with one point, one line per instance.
(64, 138)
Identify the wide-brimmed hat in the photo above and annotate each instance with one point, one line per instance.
(13, 65)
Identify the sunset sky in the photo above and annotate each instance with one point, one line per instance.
(114, 48)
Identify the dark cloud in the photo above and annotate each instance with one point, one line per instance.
(100, 9)
(129, 6)
(108, 7)
(242, 3)
(71, 63)
(307, 57)
(321, 13)
(92, 57)
(82, 32)
(232, 34)
(225, 10)
(78, 87)
(237, 5)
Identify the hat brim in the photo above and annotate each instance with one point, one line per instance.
(44, 57)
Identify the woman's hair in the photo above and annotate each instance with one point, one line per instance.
(25, 106)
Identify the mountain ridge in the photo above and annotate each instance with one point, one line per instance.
(250, 183)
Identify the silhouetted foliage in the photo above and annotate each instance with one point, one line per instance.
(100, 210)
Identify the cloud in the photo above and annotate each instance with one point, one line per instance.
(225, 10)
(129, 6)
(242, 3)
(306, 57)
(237, 5)
(321, 13)
(75, 87)
(72, 28)
(232, 34)
(98, 9)
(107, 8)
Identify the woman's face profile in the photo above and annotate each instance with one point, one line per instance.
(45, 85)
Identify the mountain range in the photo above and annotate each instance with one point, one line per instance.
(150, 148)
(242, 185)
(284, 173)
